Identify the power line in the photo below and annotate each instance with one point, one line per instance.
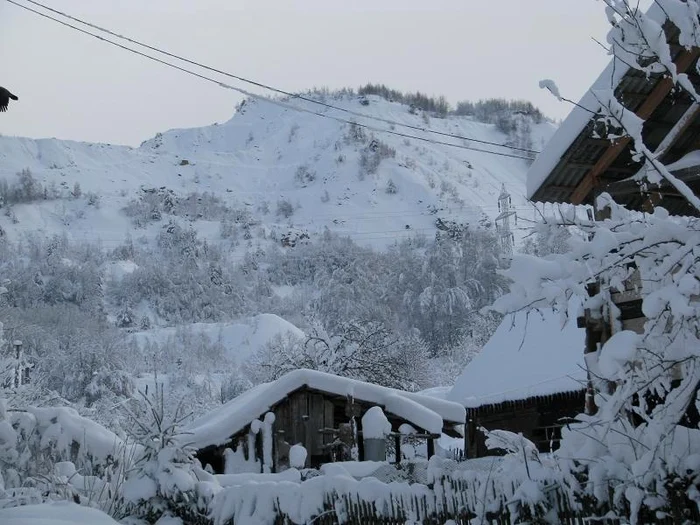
(266, 99)
(272, 88)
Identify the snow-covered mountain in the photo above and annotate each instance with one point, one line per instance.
(371, 186)
(165, 251)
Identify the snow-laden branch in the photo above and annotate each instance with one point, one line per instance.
(616, 115)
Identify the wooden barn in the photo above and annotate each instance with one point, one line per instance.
(322, 412)
(530, 378)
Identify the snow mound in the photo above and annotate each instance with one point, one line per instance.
(375, 425)
(63, 426)
(241, 338)
(58, 513)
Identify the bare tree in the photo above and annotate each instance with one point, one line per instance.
(367, 351)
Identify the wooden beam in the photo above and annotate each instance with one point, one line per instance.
(554, 187)
(598, 141)
(657, 95)
(631, 185)
(431, 447)
(678, 130)
(611, 174)
(588, 165)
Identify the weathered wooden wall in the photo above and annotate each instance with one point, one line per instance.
(300, 417)
(538, 418)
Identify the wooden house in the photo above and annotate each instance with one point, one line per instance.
(320, 411)
(529, 378)
(577, 164)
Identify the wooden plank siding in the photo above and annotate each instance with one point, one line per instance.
(539, 419)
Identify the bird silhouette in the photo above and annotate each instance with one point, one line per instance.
(5, 97)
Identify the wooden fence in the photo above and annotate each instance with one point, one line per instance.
(455, 492)
(346, 509)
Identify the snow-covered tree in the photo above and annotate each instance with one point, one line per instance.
(367, 351)
(639, 452)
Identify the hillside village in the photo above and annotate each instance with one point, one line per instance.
(364, 306)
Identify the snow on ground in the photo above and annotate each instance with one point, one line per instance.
(58, 513)
(356, 469)
(527, 356)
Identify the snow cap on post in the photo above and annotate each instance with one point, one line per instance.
(375, 425)
(297, 456)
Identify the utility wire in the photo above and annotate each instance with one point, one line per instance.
(270, 88)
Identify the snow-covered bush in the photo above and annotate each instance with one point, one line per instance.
(372, 155)
(544, 240)
(41, 448)
(183, 279)
(304, 175)
(285, 208)
(54, 271)
(153, 204)
(355, 135)
(74, 354)
(434, 286)
(655, 374)
(25, 189)
(162, 481)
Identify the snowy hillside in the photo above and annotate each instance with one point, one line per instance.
(333, 175)
(213, 259)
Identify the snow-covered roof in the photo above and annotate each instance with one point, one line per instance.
(579, 117)
(217, 426)
(528, 356)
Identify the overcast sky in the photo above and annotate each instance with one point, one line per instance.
(72, 86)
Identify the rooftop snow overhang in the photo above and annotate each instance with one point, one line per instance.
(577, 165)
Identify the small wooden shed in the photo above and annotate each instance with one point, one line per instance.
(530, 378)
(320, 411)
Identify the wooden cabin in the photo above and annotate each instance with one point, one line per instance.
(320, 411)
(529, 378)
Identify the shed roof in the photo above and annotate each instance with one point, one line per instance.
(575, 164)
(217, 427)
(528, 356)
